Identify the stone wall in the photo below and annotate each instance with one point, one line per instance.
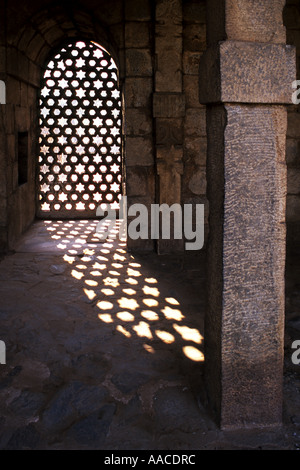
(194, 44)
(30, 32)
(138, 90)
(291, 17)
(135, 34)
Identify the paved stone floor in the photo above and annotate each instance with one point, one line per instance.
(104, 349)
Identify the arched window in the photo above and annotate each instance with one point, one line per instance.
(80, 144)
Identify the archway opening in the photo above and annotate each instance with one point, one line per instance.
(80, 133)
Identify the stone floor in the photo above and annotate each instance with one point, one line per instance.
(104, 349)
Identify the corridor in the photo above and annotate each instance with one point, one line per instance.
(104, 349)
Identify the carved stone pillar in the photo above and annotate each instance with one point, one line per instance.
(169, 108)
(245, 81)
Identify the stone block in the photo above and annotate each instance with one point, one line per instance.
(195, 122)
(53, 34)
(168, 75)
(191, 91)
(292, 208)
(168, 13)
(138, 92)
(3, 240)
(197, 182)
(138, 11)
(168, 105)
(252, 21)
(293, 181)
(138, 63)
(2, 60)
(191, 62)
(195, 149)
(12, 61)
(34, 75)
(139, 151)
(293, 129)
(22, 116)
(3, 211)
(293, 152)
(169, 162)
(244, 72)
(9, 118)
(35, 46)
(11, 148)
(3, 181)
(169, 131)
(137, 34)
(140, 181)
(138, 122)
(194, 12)
(23, 67)
(194, 37)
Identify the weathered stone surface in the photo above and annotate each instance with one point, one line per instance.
(76, 399)
(140, 181)
(293, 129)
(168, 46)
(138, 11)
(138, 92)
(191, 90)
(245, 21)
(137, 34)
(195, 122)
(138, 63)
(138, 122)
(169, 169)
(195, 150)
(169, 131)
(293, 181)
(194, 38)
(168, 76)
(292, 208)
(28, 404)
(246, 177)
(197, 183)
(168, 404)
(194, 12)
(139, 151)
(93, 430)
(24, 438)
(251, 73)
(191, 62)
(168, 105)
(293, 151)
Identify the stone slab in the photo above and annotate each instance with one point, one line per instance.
(244, 72)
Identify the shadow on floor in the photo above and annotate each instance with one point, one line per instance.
(104, 348)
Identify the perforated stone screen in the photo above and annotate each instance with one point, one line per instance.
(80, 145)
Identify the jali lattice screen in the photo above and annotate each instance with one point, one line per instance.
(80, 145)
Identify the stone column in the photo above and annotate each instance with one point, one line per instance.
(168, 108)
(245, 81)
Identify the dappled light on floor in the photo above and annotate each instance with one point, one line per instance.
(122, 293)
